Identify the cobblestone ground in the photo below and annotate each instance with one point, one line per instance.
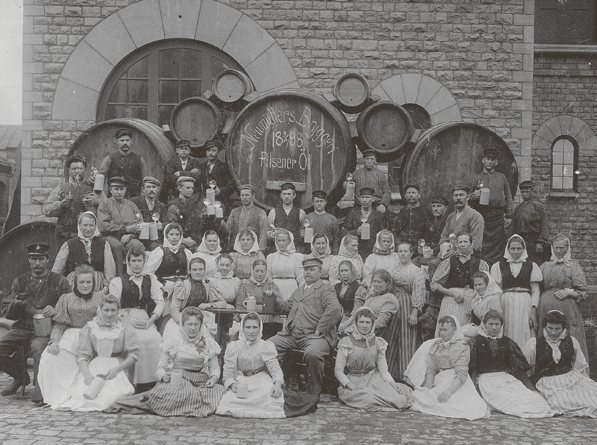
(23, 423)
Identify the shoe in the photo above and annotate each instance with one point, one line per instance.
(14, 386)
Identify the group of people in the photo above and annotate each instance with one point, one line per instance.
(132, 328)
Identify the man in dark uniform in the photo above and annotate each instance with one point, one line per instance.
(531, 222)
(215, 170)
(437, 221)
(151, 208)
(186, 212)
(287, 216)
(410, 223)
(181, 164)
(125, 163)
(33, 292)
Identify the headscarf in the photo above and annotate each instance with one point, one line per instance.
(343, 251)
(99, 320)
(353, 273)
(203, 246)
(567, 258)
(290, 249)
(386, 290)
(198, 342)
(555, 344)
(439, 345)
(492, 289)
(254, 248)
(377, 250)
(87, 241)
(327, 252)
(79, 294)
(370, 336)
(508, 255)
(241, 334)
(167, 244)
(265, 281)
(468, 253)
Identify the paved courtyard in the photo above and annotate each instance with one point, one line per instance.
(24, 423)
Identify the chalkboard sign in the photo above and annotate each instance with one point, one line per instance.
(290, 136)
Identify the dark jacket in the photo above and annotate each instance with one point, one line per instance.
(169, 190)
(353, 221)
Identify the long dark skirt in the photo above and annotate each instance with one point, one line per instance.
(494, 236)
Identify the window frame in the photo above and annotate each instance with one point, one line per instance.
(575, 147)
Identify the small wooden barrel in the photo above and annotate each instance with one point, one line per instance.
(290, 136)
(231, 85)
(148, 141)
(13, 249)
(451, 153)
(196, 120)
(352, 91)
(385, 128)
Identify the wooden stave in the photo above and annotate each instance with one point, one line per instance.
(246, 82)
(219, 120)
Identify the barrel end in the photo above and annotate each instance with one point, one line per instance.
(167, 132)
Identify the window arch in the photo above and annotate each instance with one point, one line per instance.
(151, 81)
(564, 164)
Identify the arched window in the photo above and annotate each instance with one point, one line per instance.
(151, 81)
(564, 163)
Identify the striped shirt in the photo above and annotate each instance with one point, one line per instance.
(73, 312)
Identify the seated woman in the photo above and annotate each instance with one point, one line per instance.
(195, 393)
(379, 299)
(384, 256)
(252, 362)
(440, 374)
(561, 370)
(246, 251)
(88, 248)
(487, 297)
(142, 303)
(258, 286)
(320, 248)
(193, 293)
(225, 285)
(349, 250)
(362, 370)
(104, 343)
(347, 287)
(209, 251)
(499, 369)
(58, 364)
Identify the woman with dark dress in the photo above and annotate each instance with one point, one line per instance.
(347, 287)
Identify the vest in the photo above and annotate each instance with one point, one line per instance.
(130, 297)
(290, 222)
(77, 254)
(522, 280)
(545, 365)
(128, 167)
(461, 274)
(190, 213)
(197, 295)
(173, 264)
(66, 224)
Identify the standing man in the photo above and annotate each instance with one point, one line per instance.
(149, 207)
(216, 170)
(70, 199)
(498, 213)
(372, 177)
(125, 163)
(118, 217)
(186, 212)
(181, 164)
(248, 216)
(359, 215)
(530, 222)
(322, 222)
(437, 222)
(411, 222)
(463, 219)
(33, 292)
(287, 216)
(311, 325)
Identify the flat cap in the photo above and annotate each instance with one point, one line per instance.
(366, 191)
(491, 153)
(319, 194)
(182, 179)
(309, 262)
(151, 180)
(123, 132)
(118, 180)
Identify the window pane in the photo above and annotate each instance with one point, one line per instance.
(190, 88)
(190, 64)
(119, 92)
(567, 170)
(136, 111)
(557, 183)
(168, 92)
(137, 91)
(556, 170)
(568, 183)
(569, 157)
(169, 63)
(558, 157)
(115, 111)
(164, 114)
(139, 69)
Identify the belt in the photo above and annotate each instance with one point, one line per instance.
(359, 373)
(253, 372)
(518, 289)
(116, 354)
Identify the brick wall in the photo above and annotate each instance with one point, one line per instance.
(568, 86)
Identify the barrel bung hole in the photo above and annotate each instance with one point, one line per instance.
(180, 16)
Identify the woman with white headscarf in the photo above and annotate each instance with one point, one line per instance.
(285, 266)
(565, 287)
(444, 387)
(384, 256)
(519, 278)
(349, 250)
(320, 249)
(246, 251)
(209, 250)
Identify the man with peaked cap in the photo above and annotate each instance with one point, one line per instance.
(531, 222)
(125, 163)
(498, 213)
(117, 216)
(314, 313)
(463, 219)
(323, 222)
(286, 216)
(372, 177)
(214, 169)
(437, 221)
(248, 216)
(35, 291)
(359, 215)
(411, 222)
(185, 211)
(149, 206)
(181, 164)
(71, 198)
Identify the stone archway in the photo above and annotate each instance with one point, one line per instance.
(564, 125)
(148, 21)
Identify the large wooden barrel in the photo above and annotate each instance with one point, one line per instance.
(196, 120)
(13, 249)
(352, 91)
(385, 128)
(451, 153)
(290, 136)
(148, 141)
(231, 85)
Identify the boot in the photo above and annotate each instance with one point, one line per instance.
(15, 385)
